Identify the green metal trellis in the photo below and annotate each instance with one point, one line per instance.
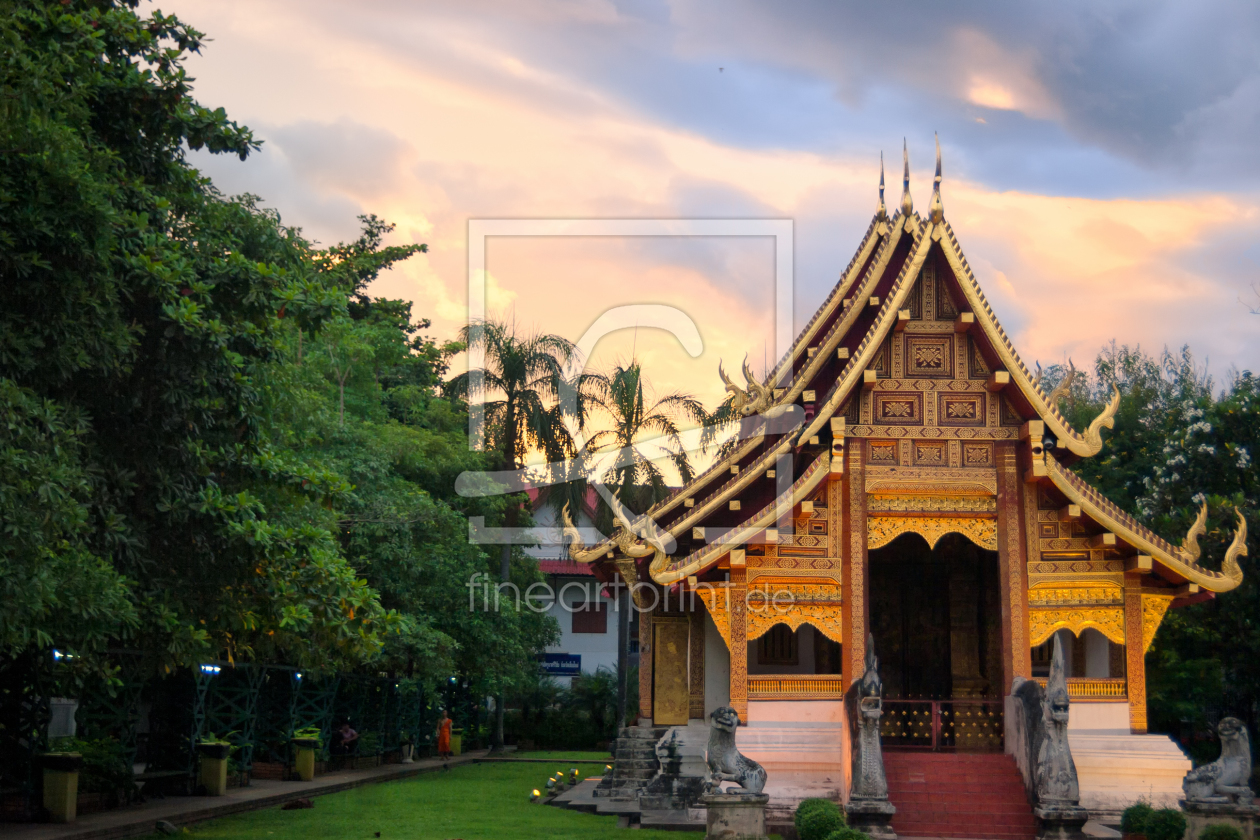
(232, 709)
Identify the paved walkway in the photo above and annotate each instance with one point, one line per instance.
(139, 820)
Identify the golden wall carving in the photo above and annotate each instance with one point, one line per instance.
(881, 530)
(1043, 622)
(1068, 593)
(1153, 609)
(904, 503)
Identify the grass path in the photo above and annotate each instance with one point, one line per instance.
(468, 802)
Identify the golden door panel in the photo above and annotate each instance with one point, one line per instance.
(669, 669)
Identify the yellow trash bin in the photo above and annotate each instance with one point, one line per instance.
(214, 767)
(305, 763)
(457, 741)
(61, 785)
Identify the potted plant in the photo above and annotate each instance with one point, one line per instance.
(405, 747)
(306, 742)
(61, 784)
(214, 752)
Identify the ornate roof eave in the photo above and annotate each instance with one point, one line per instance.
(876, 233)
(1086, 445)
(898, 295)
(1107, 514)
(841, 328)
(734, 486)
(664, 571)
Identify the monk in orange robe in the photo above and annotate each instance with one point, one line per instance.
(444, 735)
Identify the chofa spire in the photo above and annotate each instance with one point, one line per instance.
(937, 208)
(907, 203)
(881, 212)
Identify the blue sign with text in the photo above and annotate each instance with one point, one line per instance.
(561, 664)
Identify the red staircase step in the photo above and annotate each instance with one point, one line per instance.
(958, 795)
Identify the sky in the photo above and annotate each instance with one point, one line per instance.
(1100, 160)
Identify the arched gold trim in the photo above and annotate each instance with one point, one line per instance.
(1042, 623)
(881, 530)
(825, 619)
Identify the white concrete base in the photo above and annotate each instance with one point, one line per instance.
(1115, 767)
(796, 736)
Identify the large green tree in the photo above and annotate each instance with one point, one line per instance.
(1180, 441)
(140, 311)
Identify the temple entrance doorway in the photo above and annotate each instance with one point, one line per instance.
(935, 613)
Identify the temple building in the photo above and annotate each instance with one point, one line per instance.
(900, 476)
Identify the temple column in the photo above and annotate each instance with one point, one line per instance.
(1135, 653)
(695, 661)
(738, 593)
(854, 612)
(645, 663)
(1012, 497)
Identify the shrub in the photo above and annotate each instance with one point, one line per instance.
(1166, 824)
(805, 807)
(848, 833)
(1220, 831)
(820, 819)
(1133, 820)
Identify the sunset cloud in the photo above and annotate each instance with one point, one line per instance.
(1090, 213)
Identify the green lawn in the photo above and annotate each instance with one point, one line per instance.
(469, 802)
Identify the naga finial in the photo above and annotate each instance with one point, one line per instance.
(1107, 419)
(739, 397)
(936, 207)
(1063, 388)
(881, 211)
(1237, 548)
(577, 546)
(1190, 545)
(907, 203)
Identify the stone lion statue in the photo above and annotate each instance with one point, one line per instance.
(726, 764)
(1228, 778)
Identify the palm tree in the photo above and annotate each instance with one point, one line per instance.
(647, 431)
(521, 385)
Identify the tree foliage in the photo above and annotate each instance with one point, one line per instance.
(213, 441)
(1178, 442)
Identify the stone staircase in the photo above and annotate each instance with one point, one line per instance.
(635, 762)
(958, 795)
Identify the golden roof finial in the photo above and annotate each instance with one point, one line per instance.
(937, 208)
(907, 203)
(881, 212)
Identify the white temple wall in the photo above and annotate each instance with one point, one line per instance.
(717, 668)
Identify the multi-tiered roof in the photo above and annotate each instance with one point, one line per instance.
(799, 414)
